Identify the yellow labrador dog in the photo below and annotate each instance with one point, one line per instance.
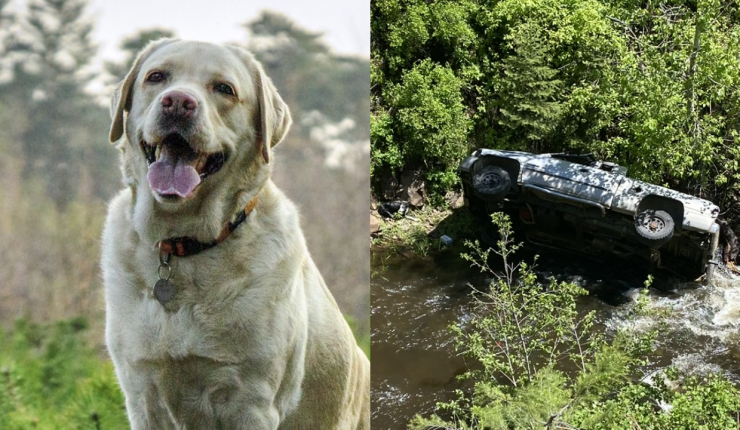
(216, 316)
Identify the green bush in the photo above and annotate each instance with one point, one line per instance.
(428, 122)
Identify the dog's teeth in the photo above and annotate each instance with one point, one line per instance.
(157, 152)
(201, 162)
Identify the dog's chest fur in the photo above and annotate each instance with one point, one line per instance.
(239, 332)
(214, 313)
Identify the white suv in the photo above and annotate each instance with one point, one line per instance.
(577, 203)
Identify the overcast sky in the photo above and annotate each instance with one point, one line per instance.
(345, 23)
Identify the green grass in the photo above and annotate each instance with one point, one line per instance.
(51, 379)
(361, 336)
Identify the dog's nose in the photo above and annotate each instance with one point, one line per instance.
(178, 104)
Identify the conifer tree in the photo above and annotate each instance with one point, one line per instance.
(131, 47)
(528, 90)
(54, 49)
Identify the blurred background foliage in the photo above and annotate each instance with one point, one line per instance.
(650, 85)
(58, 170)
(50, 378)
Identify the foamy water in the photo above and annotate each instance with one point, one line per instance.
(701, 331)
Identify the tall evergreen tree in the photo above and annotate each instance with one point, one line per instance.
(527, 92)
(54, 48)
(131, 47)
(309, 75)
(283, 47)
(5, 17)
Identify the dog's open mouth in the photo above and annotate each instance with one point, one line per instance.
(175, 169)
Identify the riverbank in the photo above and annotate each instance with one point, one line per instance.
(420, 232)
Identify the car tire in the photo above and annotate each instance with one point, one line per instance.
(492, 183)
(655, 227)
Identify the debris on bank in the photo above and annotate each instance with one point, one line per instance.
(400, 226)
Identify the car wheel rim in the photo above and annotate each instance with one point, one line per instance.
(490, 180)
(654, 224)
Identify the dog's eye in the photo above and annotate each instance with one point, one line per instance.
(224, 89)
(155, 77)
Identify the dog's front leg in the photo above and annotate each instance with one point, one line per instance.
(250, 418)
(202, 393)
(148, 413)
(144, 403)
(217, 412)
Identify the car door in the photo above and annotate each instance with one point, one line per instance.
(572, 179)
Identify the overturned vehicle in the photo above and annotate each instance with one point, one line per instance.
(576, 203)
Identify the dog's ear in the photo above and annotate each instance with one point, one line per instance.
(123, 96)
(274, 116)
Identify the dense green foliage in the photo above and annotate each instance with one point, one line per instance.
(50, 378)
(537, 363)
(651, 85)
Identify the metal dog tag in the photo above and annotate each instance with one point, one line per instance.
(164, 291)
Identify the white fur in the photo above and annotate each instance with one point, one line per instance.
(254, 339)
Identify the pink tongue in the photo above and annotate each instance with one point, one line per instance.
(172, 175)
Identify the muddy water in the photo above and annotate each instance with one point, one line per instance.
(414, 300)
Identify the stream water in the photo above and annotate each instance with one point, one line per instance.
(414, 300)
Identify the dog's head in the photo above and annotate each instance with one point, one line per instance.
(197, 118)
